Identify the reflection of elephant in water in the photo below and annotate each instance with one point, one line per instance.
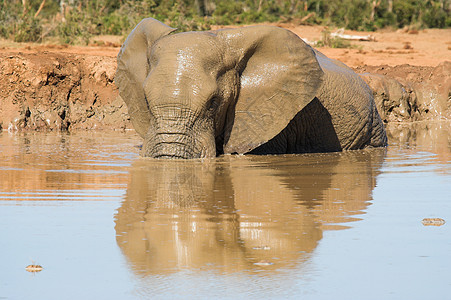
(256, 89)
(237, 212)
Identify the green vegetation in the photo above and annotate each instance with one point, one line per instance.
(76, 21)
(332, 42)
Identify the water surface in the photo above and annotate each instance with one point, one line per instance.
(107, 224)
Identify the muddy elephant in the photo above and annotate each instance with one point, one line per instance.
(257, 89)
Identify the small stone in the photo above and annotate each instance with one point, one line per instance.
(34, 268)
(433, 222)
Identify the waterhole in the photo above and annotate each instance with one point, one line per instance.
(108, 224)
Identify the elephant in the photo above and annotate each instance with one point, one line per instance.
(258, 89)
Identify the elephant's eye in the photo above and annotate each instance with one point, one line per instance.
(213, 103)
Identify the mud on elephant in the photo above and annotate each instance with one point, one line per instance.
(257, 89)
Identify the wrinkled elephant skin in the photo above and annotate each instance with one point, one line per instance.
(257, 89)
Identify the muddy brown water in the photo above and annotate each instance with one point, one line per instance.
(106, 224)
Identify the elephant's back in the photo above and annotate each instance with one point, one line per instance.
(349, 101)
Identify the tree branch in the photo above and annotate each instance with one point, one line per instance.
(40, 8)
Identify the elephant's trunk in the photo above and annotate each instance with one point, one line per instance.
(169, 145)
(176, 137)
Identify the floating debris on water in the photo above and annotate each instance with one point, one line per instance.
(433, 222)
(34, 268)
(263, 263)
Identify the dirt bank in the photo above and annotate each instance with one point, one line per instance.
(47, 91)
(410, 93)
(48, 87)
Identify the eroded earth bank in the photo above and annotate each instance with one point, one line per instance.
(50, 91)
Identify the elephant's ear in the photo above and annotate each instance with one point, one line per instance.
(279, 76)
(133, 67)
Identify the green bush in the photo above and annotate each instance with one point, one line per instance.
(114, 24)
(434, 16)
(27, 30)
(77, 28)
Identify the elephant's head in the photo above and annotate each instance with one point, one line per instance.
(199, 94)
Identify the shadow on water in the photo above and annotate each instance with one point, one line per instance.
(240, 213)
